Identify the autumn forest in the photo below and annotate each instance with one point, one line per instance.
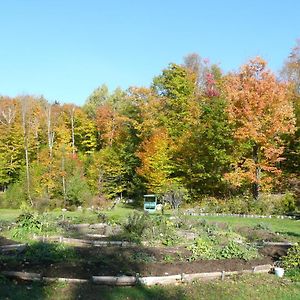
(196, 131)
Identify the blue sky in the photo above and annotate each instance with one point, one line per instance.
(64, 49)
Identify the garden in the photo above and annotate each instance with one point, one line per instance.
(93, 249)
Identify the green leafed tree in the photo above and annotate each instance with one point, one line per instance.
(175, 88)
(205, 153)
(98, 97)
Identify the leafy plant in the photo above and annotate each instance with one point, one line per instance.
(293, 274)
(292, 259)
(168, 258)
(238, 250)
(49, 252)
(27, 223)
(103, 218)
(202, 248)
(143, 257)
(262, 226)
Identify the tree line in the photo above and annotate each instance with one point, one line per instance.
(194, 131)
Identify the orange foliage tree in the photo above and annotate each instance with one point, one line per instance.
(110, 123)
(156, 158)
(260, 108)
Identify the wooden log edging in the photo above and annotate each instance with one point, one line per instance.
(13, 247)
(81, 242)
(63, 279)
(115, 280)
(279, 244)
(22, 275)
(134, 280)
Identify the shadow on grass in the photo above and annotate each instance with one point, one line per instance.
(290, 233)
(28, 291)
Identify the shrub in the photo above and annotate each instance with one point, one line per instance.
(175, 194)
(268, 204)
(27, 223)
(78, 191)
(287, 203)
(136, 225)
(14, 195)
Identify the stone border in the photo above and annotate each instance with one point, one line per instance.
(192, 213)
(134, 280)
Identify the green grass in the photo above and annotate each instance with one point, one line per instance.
(263, 287)
(287, 227)
(9, 214)
(119, 213)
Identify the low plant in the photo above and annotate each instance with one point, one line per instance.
(262, 226)
(143, 257)
(207, 227)
(102, 217)
(216, 247)
(223, 237)
(293, 274)
(49, 252)
(168, 258)
(292, 259)
(202, 248)
(237, 250)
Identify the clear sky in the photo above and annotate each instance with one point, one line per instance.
(64, 49)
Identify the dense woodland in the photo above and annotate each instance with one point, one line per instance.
(195, 131)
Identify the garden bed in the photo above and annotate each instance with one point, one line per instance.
(115, 261)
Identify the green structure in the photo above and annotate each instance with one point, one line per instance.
(150, 202)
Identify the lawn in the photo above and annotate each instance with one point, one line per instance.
(9, 215)
(286, 227)
(119, 213)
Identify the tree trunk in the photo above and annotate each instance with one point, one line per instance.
(50, 131)
(25, 133)
(256, 183)
(72, 112)
(63, 177)
(28, 175)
